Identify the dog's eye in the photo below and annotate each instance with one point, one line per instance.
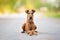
(28, 13)
(31, 13)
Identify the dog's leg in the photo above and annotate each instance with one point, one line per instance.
(35, 28)
(27, 29)
(23, 28)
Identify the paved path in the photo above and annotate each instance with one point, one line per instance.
(48, 28)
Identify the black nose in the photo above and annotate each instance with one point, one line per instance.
(30, 17)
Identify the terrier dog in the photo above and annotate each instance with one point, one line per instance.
(29, 27)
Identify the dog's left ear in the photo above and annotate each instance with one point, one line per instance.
(33, 11)
(27, 11)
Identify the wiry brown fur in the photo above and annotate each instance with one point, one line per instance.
(29, 27)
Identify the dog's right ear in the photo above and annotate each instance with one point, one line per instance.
(27, 11)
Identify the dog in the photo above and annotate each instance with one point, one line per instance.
(29, 27)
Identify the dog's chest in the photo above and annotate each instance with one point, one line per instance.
(31, 26)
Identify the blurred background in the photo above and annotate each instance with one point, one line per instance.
(46, 7)
(46, 18)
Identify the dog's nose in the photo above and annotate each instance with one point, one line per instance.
(30, 17)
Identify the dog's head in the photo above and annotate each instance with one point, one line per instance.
(30, 14)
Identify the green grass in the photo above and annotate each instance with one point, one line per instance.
(54, 15)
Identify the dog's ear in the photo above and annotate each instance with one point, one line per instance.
(33, 11)
(27, 11)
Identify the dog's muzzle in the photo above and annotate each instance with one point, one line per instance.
(30, 17)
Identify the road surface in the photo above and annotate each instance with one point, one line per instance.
(48, 28)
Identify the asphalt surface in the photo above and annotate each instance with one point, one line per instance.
(48, 28)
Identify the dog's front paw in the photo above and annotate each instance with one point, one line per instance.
(35, 33)
(22, 32)
(30, 33)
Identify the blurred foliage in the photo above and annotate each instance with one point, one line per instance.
(52, 6)
(7, 5)
(29, 4)
(58, 2)
(53, 14)
(11, 5)
(23, 2)
(37, 4)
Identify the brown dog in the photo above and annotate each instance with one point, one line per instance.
(29, 27)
